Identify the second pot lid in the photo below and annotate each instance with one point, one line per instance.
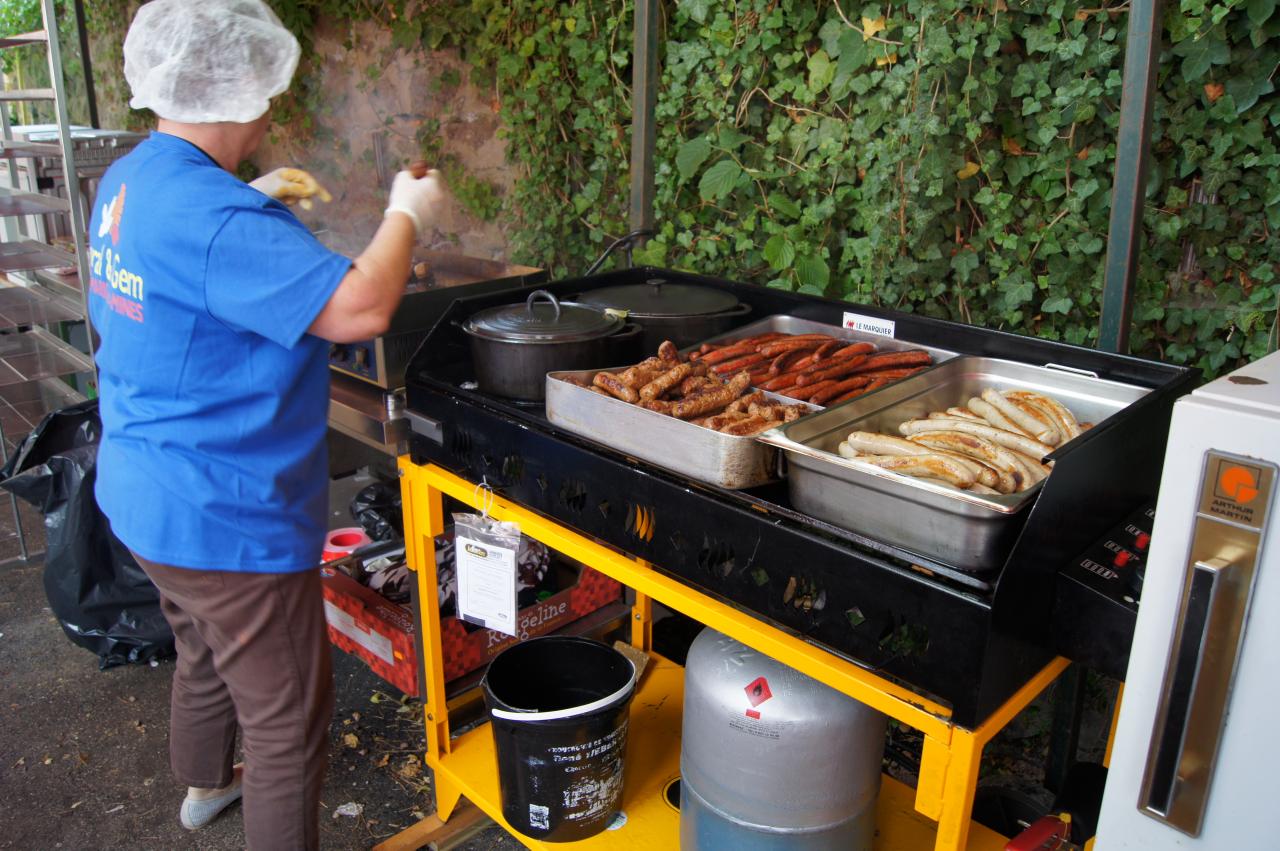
(547, 321)
(657, 297)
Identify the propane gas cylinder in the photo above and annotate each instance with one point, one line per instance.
(772, 759)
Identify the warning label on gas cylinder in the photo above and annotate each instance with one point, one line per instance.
(757, 727)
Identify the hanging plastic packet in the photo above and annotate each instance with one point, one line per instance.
(486, 551)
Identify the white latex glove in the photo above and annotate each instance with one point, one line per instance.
(418, 198)
(290, 186)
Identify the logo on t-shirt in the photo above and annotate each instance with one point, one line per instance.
(112, 212)
(110, 278)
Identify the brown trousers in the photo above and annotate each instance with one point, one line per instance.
(252, 650)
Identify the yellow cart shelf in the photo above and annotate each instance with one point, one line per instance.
(936, 814)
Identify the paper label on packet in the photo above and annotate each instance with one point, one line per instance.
(486, 584)
(870, 324)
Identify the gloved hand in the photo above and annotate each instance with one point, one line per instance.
(418, 198)
(290, 186)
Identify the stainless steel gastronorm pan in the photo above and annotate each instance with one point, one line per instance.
(699, 453)
(963, 530)
(783, 324)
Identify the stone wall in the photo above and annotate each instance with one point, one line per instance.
(415, 100)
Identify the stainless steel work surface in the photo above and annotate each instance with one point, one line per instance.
(361, 411)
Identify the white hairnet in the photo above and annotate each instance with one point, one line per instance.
(200, 61)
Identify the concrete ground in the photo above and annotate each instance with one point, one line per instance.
(84, 753)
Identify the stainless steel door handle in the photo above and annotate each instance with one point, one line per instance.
(1219, 576)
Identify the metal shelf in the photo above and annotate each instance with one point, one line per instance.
(15, 202)
(11, 149)
(27, 94)
(22, 254)
(36, 37)
(35, 355)
(24, 306)
(25, 403)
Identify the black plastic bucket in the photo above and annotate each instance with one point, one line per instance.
(559, 710)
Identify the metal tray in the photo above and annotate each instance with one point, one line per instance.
(784, 324)
(725, 460)
(964, 530)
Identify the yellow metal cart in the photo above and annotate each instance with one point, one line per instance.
(937, 813)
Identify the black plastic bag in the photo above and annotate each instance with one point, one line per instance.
(377, 509)
(96, 589)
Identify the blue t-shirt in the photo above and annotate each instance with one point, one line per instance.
(214, 397)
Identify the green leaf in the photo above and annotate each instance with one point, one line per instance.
(1057, 304)
(692, 155)
(731, 140)
(695, 9)
(853, 54)
(1200, 54)
(1245, 90)
(812, 271)
(1260, 11)
(821, 71)
(719, 180)
(784, 205)
(779, 253)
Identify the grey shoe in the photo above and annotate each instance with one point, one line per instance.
(196, 813)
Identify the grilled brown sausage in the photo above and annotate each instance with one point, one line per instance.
(707, 401)
(612, 383)
(666, 381)
(694, 383)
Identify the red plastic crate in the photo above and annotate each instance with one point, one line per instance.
(365, 624)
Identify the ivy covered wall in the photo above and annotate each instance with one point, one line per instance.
(951, 158)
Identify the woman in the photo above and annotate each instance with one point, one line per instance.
(215, 307)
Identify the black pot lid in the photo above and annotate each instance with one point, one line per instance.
(657, 297)
(542, 318)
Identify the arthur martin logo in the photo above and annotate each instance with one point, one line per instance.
(1238, 483)
(478, 552)
(112, 212)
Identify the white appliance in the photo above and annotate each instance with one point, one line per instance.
(1197, 747)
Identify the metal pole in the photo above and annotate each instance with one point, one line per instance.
(644, 91)
(1141, 55)
(82, 31)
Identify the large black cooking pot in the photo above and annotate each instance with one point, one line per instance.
(682, 313)
(514, 346)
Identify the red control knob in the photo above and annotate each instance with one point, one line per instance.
(1122, 558)
(1142, 541)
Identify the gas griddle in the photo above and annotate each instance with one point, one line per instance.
(964, 638)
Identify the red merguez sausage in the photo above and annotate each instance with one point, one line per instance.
(736, 365)
(779, 346)
(910, 357)
(812, 364)
(826, 349)
(852, 394)
(780, 381)
(737, 350)
(840, 388)
(892, 374)
(785, 361)
(878, 380)
(805, 393)
(830, 370)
